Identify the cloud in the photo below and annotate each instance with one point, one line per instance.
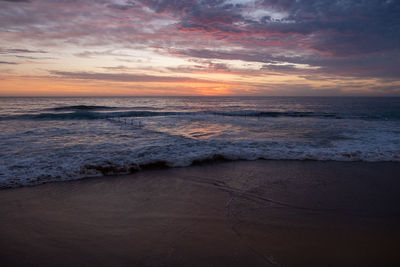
(122, 7)
(17, 1)
(118, 68)
(88, 54)
(338, 38)
(19, 51)
(123, 77)
(370, 65)
(8, 62)
(338, 28)
(33, 58)
(289, 67)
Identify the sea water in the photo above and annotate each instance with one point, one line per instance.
(46, 139)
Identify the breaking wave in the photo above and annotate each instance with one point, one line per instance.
(180, 154)
(89, 112)
(81, 107)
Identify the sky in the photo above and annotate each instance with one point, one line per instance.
(203, 47)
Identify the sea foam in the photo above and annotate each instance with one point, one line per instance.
(43, 142)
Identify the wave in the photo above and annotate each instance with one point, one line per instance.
(114, 168)
(251, 113)
(77, 164)
(88, 113)
(97, 108)
(302, 114)
(107, 168)
(81, 107)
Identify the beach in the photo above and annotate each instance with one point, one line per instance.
(199, 133)
(241, 213)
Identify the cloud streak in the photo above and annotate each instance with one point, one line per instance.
(124, 77)
(8, 63)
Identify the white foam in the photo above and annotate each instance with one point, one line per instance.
(63, 150)
(37, 151)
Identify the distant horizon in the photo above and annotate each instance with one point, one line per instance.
(206, 96)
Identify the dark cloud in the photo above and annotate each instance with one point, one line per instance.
(20, 51)
(206, 15)
(8, 63)
(169, 5)
(341, 28)
(122, 7)
(288, 67)
(383, 65)
(33, 58)
(205, 66)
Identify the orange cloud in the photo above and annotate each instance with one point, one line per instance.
(49, 86)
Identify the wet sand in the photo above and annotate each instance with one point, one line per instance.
(260, 213)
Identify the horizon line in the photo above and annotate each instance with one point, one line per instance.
(75, 96)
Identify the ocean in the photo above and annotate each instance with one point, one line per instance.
(45, 139)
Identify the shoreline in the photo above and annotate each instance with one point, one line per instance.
(254, 213)
(108, 171)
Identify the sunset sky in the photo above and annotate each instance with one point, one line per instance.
(204, 47)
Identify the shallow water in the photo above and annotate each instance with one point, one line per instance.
(50, 139)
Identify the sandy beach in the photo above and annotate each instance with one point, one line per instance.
(231, 133)
(254, 213)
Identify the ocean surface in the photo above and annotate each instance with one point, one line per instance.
(46, 139)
